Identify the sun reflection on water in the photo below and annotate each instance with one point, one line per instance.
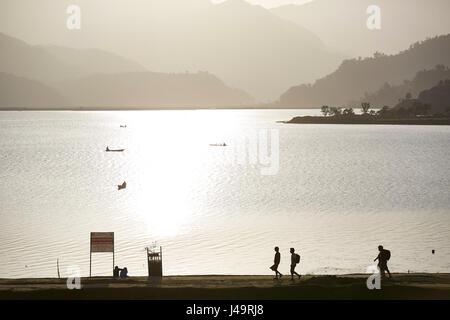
(168, 154)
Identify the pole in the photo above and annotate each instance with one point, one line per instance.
(113, 257)
(90, 263)
(148, 262)
(57, 267)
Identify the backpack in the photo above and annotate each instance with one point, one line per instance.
(387, 254)
(297, 258)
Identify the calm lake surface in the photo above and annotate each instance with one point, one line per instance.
(339, 191)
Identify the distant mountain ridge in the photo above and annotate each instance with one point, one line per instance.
(246, 46)
(437, 98)
(354, 78)
(151, 89)
(18, 92)
(389, 95)
(96, 78)
(341, 24)
(52, 64)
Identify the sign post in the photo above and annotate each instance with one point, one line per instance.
(101, 242)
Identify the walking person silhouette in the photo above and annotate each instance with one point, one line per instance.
(295, 259)
(276, 262)
(383, 258)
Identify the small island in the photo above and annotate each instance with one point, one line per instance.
(416, 113)
(432, 107)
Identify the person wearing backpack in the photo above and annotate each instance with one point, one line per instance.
(383, 257)
(295, 259)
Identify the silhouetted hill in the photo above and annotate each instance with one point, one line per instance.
(245, 45)
(92, 78)
(18, 92)
(389, 95)
(51, 64)
(147, 89)
(356, 77)
(341, 24)
(438, 98)
(89, 61)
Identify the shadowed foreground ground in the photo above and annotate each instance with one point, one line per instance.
(402, 286)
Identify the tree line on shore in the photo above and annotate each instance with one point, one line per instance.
(416, 109)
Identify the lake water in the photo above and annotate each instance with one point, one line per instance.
(335, 194)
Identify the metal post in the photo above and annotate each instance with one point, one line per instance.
(113, 259)
(160, 256)
(90, 264)
(148, 262)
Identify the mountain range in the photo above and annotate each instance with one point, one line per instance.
(390, 95)
(437, 98)
(18, 92)
(356, 78)
(49, 76)
(342, 24)
(245, 45)
(152, 52)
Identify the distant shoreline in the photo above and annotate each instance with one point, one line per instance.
(368, 120)
(202, 287)
(153, 108)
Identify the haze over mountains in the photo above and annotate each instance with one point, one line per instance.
(42, 76)
(51, 64)
(357, 77)
(389, 95)
(17, 92)
(246, 46)
(152, 52)
(150, 89)
(437, 98)
(341, 24)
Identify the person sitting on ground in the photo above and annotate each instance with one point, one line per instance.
(383, 258)
(295, 258)
(116, 271)
(124, 273)
(276, 262)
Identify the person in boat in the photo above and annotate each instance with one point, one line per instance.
(107, 148)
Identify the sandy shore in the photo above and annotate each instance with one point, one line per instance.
(402, 286)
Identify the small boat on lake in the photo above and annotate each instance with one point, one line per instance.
(219, 145)
(123, 126)
(114, 150)
(122, 186)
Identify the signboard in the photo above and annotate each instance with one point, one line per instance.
(102, 241)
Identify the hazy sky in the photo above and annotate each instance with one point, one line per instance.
(269, 3)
